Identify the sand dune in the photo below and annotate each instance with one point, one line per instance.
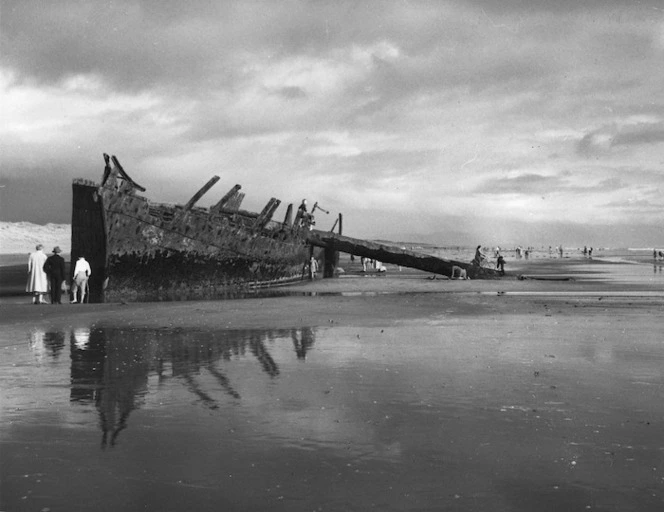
(21, 237)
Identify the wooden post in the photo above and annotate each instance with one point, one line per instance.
(265, 216)
(336, 253)
(288, 219)
(332, 255)
(222, 202)
(190, 204)
(328, 268)
(235, 201)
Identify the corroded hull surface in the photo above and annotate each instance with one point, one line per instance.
(185, 276)
(144, 251)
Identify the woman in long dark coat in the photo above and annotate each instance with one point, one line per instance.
(55, 270)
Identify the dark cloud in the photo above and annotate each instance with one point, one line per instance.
(562, 6)
(644, 206)
(139, 44)
(603, 140)
(527, 184)
(609, 185)
(45, 200)
(292, 92)
(593, 143)
(640, 134)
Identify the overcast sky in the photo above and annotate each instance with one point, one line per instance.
(513, 121)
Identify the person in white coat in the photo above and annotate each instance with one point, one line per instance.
(82, 273)
(37, 279)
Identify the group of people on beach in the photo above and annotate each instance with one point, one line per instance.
(481, 259)
(47, 275)
(375, 264)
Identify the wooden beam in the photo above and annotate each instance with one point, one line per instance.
(224, 200)
(288, 219)
(190, 204)
(235, 201)
(107, 169)
(266, 215)
(124, 175)
(395, 255)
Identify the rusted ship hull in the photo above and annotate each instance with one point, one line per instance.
(144, 251)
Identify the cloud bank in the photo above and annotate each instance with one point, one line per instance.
(405, 117)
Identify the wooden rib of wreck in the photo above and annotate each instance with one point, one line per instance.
(141, 250)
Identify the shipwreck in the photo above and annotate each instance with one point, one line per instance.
(140, 250)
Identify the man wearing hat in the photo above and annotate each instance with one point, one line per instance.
(55, 270)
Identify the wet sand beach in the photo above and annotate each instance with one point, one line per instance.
(386, 392)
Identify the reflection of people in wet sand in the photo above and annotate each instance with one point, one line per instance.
(37, 279)
(112, 373)
(304, 343)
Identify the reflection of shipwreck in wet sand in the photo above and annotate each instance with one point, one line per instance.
(111, 367)
(141, 250)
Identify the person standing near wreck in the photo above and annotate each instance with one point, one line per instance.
(37, 279)
(479, 256)
(55, 270)
(82, 273)
(303, 214)
(500, 264)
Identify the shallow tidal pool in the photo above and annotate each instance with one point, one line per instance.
(512, 414)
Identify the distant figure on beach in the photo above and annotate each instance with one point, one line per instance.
(55, 270)
(479, 256)
(313, 268)
(306, 218)
(500, 264)
(590, 252)
(585, 251)
(82, 273)
(560, 250)
(363, 260)
(458, 273)
(37, 279)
